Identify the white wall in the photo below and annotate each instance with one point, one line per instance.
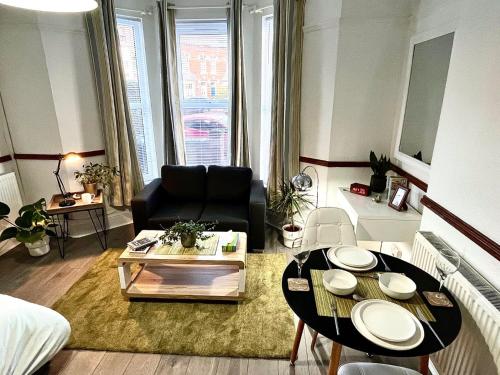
(466, 148)
(466, 164)
(48, 91)
(353, 56)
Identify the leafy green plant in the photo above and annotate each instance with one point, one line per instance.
(183, 229)
(379, 166)
(288, 202)
(97, 173)
(31, 226)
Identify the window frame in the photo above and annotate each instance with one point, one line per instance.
(137, 24)
(207, 76)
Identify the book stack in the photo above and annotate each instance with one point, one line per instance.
(141, 246)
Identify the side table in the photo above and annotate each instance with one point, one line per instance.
(61, 214)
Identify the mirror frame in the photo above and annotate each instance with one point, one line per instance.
(420, 166)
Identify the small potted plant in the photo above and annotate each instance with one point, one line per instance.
(287, 202)
(379, 167)
(31, 227)
(95, 174)
(187, 232)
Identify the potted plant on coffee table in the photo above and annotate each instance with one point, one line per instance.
(287, 202)
(31, 227)
(187, 232)
(95, 175)
(379, 167)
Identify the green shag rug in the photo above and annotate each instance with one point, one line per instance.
(261, 326)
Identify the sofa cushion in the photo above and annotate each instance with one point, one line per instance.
(228, 184)
(228, 216)
(171, 212)
(185, 183)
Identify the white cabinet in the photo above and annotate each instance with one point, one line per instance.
(377, 221)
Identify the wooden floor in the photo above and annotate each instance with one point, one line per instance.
(43, 280)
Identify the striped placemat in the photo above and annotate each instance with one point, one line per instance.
(207, 247)
(367, 287)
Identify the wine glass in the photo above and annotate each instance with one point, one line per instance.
(300, 255)
(447, 262)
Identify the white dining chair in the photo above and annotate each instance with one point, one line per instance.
(374, 369)
(327, 227)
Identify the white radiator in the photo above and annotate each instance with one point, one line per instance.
(10, 195)
(476, 350)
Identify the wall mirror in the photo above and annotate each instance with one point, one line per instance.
(426, 81)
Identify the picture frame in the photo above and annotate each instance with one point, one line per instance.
(398, 198)
(393, 182)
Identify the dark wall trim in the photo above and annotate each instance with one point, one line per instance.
(335, 164)
(415, 181)
(5, 158)
(363, 164)
(466, 229)
(83, 154)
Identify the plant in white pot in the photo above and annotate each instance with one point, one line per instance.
(31, 227)
(95, 175)
(287, 202)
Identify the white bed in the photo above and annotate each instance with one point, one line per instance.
(30, 335)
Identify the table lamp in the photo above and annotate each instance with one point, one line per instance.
(67, 200)
(303, 182)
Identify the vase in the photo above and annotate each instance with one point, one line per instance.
(291, 234)
(90, 188)
(378, 183)
(39, 248)
(188, 240)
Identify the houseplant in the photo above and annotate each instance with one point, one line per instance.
(379, 167)
(31, 227)
(187, 232)
(95, 174)
(287, 203)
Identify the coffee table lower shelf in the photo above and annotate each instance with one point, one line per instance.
(187, 282)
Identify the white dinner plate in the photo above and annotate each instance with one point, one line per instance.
(412, 343)
(331, 256)
(388, 321)
(353, 256)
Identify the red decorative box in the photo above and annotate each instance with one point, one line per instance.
(360, 189)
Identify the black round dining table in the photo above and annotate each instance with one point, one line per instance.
(447, 324)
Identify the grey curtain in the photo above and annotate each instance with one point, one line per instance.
(287, 71)
(113, 104)
(172, 120)
(240, 154)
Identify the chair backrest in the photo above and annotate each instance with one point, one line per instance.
(327, 227)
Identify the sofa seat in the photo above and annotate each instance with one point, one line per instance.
(228, 216)
(168, 213)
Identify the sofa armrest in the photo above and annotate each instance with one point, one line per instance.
(257, 214)
(144, 204)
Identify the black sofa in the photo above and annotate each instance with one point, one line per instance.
(227, 195)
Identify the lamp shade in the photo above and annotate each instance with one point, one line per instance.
(63, 6)
(302, 182)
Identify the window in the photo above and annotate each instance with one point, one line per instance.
(136, 81)
(204, 114)
(266, 95)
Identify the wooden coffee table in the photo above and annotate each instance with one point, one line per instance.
(207, 277)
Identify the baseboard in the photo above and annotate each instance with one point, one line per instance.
(82, 226)
(5, 246)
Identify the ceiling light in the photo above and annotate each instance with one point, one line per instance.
(53, 5)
